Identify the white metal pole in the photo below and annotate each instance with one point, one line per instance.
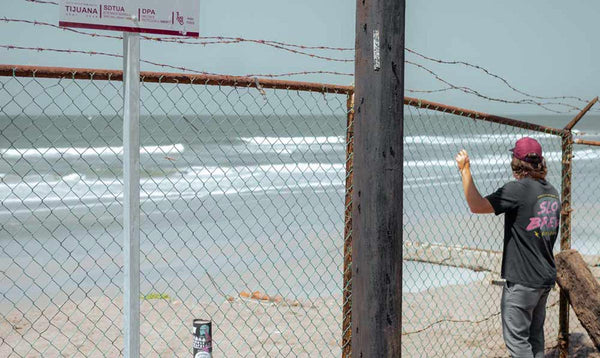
(131, 193)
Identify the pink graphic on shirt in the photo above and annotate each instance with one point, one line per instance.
(546, 215)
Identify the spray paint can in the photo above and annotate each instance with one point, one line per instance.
(202, 332)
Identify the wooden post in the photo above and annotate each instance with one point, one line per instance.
(347, 293)
(565, 240)
(576, 280)
(377, 194)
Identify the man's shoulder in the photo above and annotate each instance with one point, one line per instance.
(530, 183)
(514, 184)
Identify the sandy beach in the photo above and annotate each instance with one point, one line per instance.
(451, 321)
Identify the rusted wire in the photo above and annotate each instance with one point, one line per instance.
(261, 42)
(163, 65)
(476, 93)
(429, 91)
(214, 40)
(270, 75)
(43, 2)
(293, 73)
(164, 77)
(491, 74)
(288, 47)
(285, 44)
(451, 320)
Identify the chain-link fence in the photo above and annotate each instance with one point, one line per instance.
(245, 220)
(452, 258)
(452, 310)
(585, 228)
(586, 192)
(242, 206)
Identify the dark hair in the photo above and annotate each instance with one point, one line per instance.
(533, 167)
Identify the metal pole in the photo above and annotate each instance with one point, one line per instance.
(347, 293)
(377, 194)
(565, 220)
(565, 241)
(580, 115)
(463, 112)
(594, 143)
(131, 193)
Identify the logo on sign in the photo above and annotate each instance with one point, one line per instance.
(179, 18)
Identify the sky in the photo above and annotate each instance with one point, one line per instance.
(542, 47)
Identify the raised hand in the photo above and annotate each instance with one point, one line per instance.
(462, 159)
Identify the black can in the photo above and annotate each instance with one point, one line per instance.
(202, 338)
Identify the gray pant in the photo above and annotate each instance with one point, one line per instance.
(523, 314)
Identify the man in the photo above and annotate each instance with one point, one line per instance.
(531, 209)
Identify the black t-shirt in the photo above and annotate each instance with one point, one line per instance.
(532, 217)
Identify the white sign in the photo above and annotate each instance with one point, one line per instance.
(165, 17)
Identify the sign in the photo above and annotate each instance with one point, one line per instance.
(164, 17)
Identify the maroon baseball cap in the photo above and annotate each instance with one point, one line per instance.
(525, 146)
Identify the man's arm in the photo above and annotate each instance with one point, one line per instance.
(477, 203)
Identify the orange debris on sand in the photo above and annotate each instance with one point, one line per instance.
(260, 296)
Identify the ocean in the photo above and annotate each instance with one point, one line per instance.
(235, 203)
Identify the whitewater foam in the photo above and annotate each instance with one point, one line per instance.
(52, 153)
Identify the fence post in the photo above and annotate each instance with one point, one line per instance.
(131, 194)
(377, 179)
(565, 239)
(565, 223)
(347, 294)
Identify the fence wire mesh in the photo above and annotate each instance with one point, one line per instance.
(585, 199)
(242, 205)
(60, 219)
(244, 221)
(450, 306)
(584, 218)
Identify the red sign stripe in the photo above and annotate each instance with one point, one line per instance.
(128, 29)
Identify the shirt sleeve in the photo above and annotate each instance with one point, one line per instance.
(506, 198)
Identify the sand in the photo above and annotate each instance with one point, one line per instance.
(452, 321)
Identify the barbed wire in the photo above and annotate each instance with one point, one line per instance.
(290, 48)
(68, 29)
(429, 91)
(211, 40)
(284, 46)
(450, 85)
(233, 39)
(262, 42)
(489, 73)
(476, 93)
(43, 2)
(295, 73)
(452, 320)
(241, 39)
(163, 65)
(299, 73)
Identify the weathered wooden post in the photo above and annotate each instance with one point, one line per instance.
(583, 290)
(377, 181)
